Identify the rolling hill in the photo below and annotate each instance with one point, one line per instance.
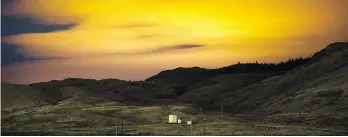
(21, 96)
(308, 95)
(316, 90)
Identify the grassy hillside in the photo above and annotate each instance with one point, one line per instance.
(112, 89)
(298, 97)
(211, 90)
(317, 91)
(21, 96)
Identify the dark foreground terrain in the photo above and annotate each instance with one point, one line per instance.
(306, 96)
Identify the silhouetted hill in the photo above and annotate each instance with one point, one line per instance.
(315, 91)
(182, 76)
(261, 67)
(187, 77)
(332, 48)
(141, 92)
(304, 92)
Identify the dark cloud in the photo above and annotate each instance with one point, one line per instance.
(14, 25)
(11, 54)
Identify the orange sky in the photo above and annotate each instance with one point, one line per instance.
(133, 39)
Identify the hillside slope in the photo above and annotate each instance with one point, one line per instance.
(111, 89)
(316, 89)
(211, 90)
(22, 96)
(309, 99)
(79, 97)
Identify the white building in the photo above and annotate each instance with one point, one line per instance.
(189, 122)
(172, 119)
(179, 121)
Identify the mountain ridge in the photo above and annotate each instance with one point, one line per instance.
(310, 92)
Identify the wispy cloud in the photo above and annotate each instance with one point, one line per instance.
(11, 54)
(136, 25)
(14, 26)
(146, 36)
(174, 48)
(160, 50)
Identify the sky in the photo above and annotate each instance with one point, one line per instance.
(43, 40)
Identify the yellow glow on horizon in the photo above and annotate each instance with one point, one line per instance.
(231, 30)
